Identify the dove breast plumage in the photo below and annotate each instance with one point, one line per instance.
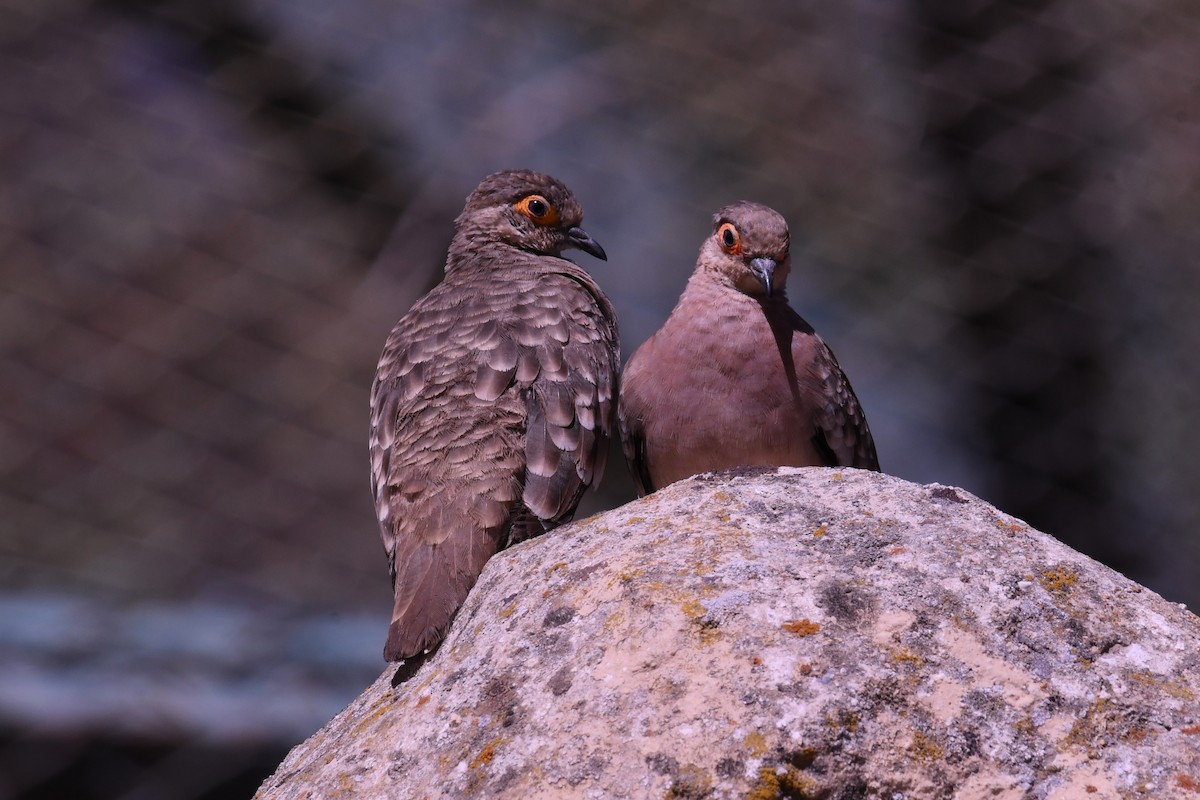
(493, 402)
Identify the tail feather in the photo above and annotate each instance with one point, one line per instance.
(430, 588)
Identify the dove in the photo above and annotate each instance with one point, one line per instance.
(735, 377)
(493, 403)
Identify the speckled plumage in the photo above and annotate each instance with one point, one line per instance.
(493, 402)
(735, 376)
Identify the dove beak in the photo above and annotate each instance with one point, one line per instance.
(578, 237)
(764, 270)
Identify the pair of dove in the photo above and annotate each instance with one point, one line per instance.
(494, 399)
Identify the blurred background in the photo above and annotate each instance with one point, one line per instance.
(211, 214)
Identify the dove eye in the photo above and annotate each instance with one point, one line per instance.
(730, 241)
(538, 209)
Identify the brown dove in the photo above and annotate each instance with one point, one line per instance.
(493, 403)
(735, 376)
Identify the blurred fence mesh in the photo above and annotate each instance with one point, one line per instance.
(212, 212)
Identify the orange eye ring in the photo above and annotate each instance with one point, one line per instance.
(729, 239)
(538, 209)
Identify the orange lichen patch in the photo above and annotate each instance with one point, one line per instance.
(635, 520)
(801, 627)
(691, 782)
(508, 610)
(1188, 782)
(837, 476)
(422, 700)
(843, 720)
(821, 531)
(1192, 729)
(895, 551)
(805, 668)
(786, 782)
(903, 655)
(486, 755)
(1136, 735)
(555, 567)
(756, 743)
(1085, 729)
(1058, 579)
(380, 708)
(1090, 789)
(1176, 689)
(925, 748)
(710, 629)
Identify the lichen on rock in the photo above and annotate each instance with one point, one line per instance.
(705, 642)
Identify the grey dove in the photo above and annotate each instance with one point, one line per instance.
(493, 403)
(735, 376)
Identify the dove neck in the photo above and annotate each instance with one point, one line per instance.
(475, 253)
(714, 284)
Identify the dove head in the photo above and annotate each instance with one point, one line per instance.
(527, 210)
(748, 249)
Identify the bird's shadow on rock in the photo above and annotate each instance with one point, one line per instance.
(409, 667)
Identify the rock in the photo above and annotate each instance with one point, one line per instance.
(784, 634)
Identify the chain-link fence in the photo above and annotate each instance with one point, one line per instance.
(211, 213)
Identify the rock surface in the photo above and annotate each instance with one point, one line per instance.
(784, 634)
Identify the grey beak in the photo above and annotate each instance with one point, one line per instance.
(581, 239)
(764, 270)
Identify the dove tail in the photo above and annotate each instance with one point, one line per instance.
(432, 581)
(400, 643)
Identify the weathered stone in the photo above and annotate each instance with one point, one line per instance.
(784, 634)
